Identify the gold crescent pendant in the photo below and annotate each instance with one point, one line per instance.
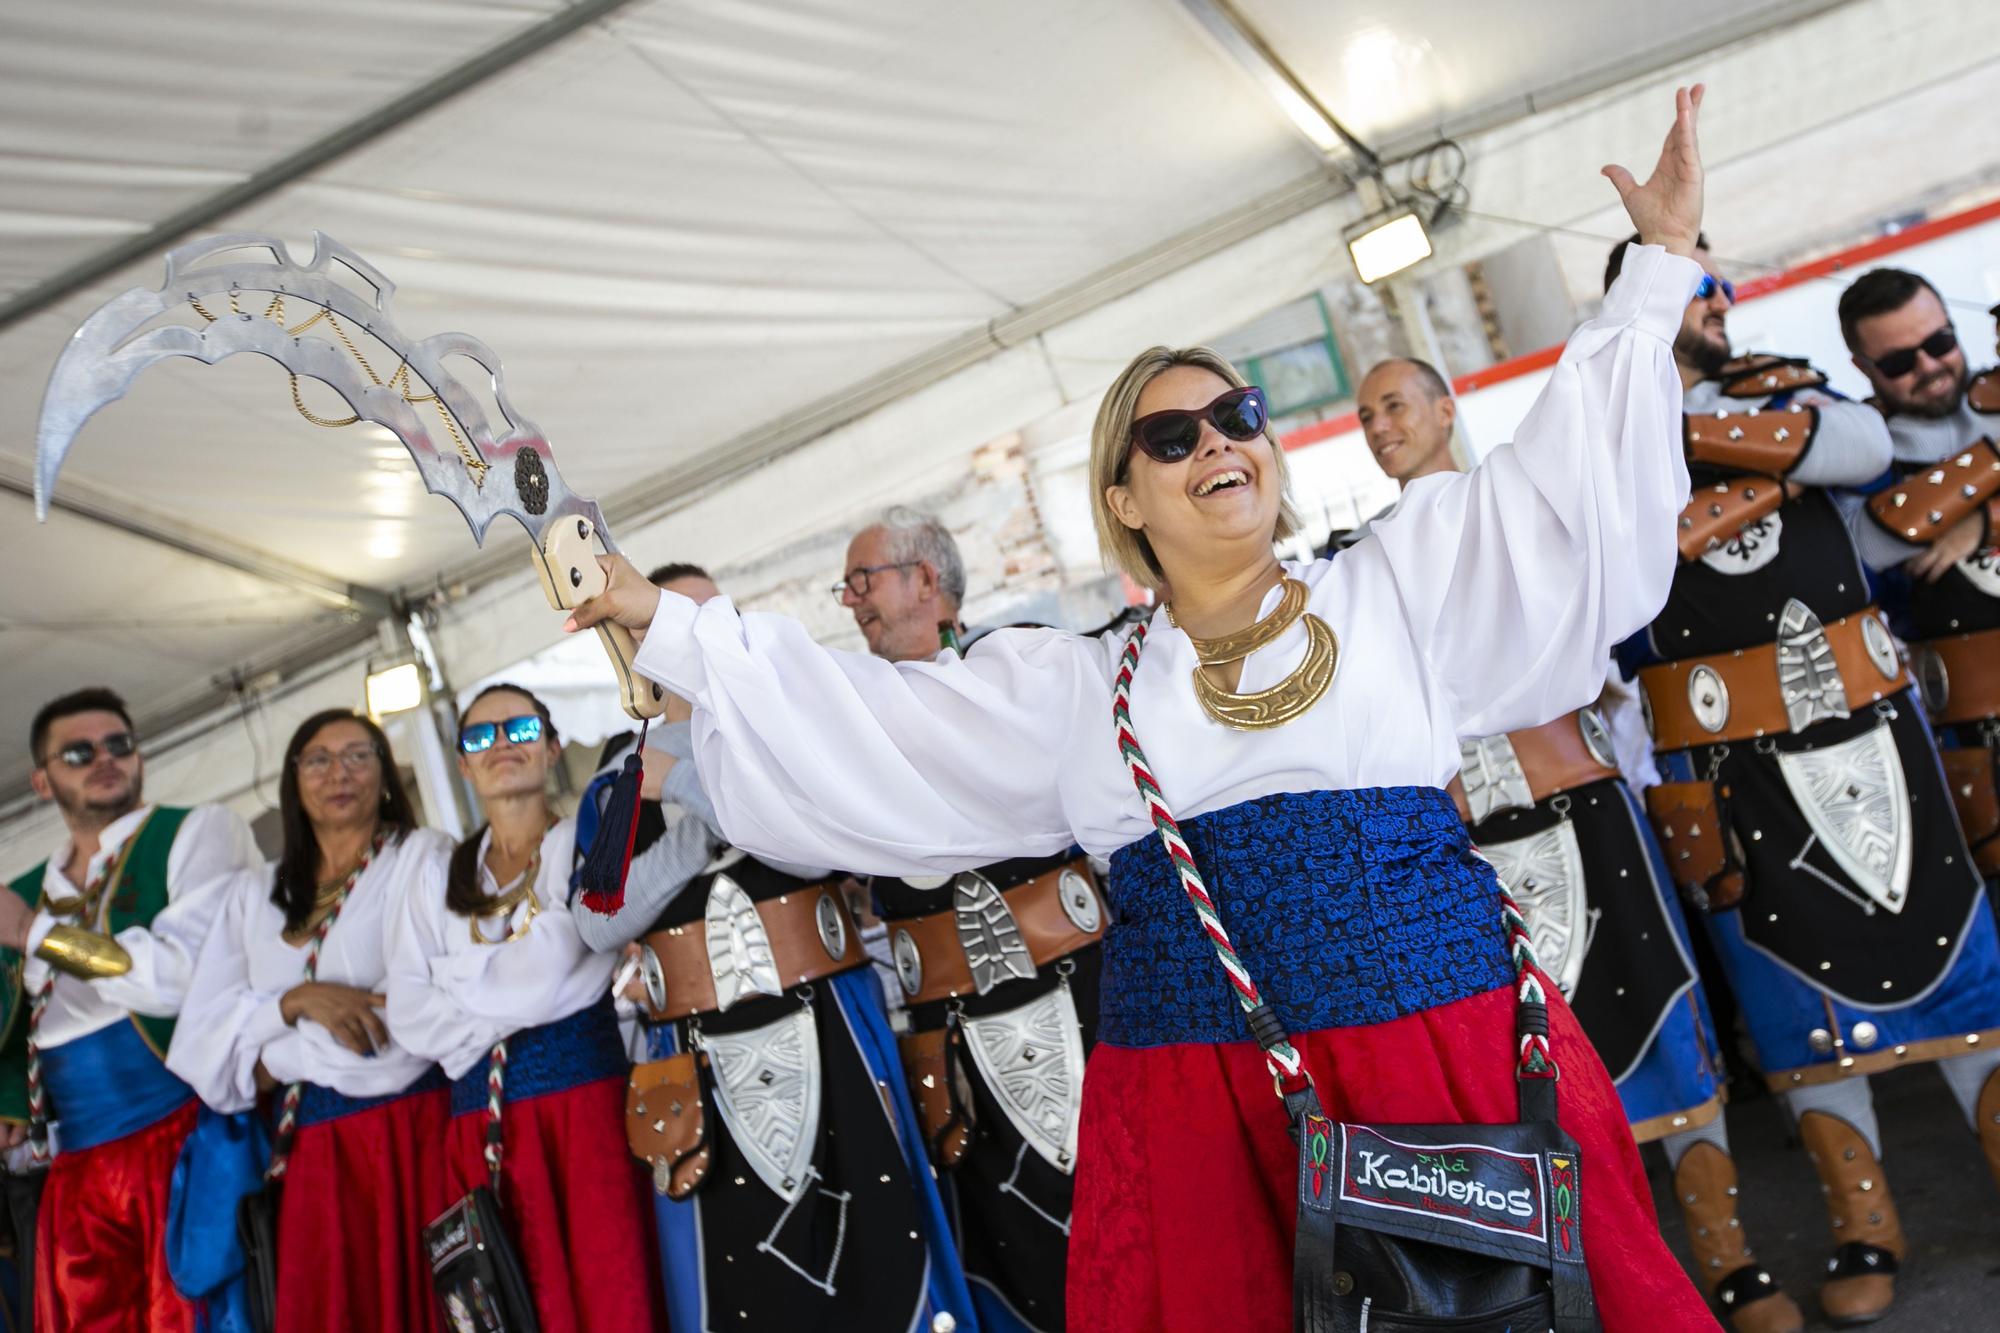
(1281, 703)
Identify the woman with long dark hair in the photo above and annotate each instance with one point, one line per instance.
(288, 998)
(488, 977)
(1300, 720)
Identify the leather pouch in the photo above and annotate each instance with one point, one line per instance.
(1976, 797)
(1689, 818)
(666, 1126)
(943, 1111)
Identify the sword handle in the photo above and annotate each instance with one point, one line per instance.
(567, 563)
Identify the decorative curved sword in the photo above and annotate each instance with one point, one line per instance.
(484, 472)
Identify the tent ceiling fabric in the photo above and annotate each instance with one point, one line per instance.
(677, 225)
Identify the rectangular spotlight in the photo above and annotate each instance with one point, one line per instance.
(394, 689)
(1387, 243)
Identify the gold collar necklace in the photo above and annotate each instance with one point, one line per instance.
(1289, 698)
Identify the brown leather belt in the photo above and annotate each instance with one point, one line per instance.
(798, 928)
(1959, 676)
(929, 951)
(1740, 695)
(1554, 758)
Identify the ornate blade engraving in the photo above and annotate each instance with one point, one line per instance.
(767, 1088)
(739, 952)
(1544, 872)
(1490, 772)
(1855, 798)
(1032, 1059)
(988, 933)
(1808, 676)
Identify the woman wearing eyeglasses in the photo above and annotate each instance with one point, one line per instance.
(488, 977)
(1300, 720)
(287, 998)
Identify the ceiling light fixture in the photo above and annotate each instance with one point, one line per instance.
(1387, 242)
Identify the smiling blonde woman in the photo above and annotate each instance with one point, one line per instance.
(1301, 721)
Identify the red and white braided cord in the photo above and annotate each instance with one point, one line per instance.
(1285, 1063)
(288, 1105)
(496, 1095)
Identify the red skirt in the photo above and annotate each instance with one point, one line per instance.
(358, 1191)
(575, 1206)
(100, 1243)
(1186, 1199)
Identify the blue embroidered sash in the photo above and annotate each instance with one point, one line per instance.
(554, 1057)
(1348, 907)
(317, 1104)
(107, 1085)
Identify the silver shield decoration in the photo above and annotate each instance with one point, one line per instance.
(1854, 797)
(1808, 677)
(832, 926)
(767, 1088)
(1881, 648)
(1490, 772)
(1032, 1059)
(1079, 902)
(653, 976)
(1596, 737)
(909, 961)
(987, 931)
(1708, 698)
(1544, 872)
(1748, 549)
(739, 952)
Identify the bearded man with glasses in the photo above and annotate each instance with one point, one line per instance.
(1802, 805)
(97, 945)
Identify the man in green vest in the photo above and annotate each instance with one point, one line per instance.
(96, 945)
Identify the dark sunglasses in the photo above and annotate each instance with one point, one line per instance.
(1894, 365)
(1170, 436)
(118, 745)
(1710, 285)
(479, 736)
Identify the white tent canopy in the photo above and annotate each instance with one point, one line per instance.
(763, 266)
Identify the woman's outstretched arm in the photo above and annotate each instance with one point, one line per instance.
(832, 758)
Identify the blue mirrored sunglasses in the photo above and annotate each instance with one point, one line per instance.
(1710, 284)
(478, 736)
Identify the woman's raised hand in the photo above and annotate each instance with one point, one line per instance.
(627, 598)
(1667, 208)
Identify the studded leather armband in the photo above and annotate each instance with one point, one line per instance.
(1924, 505)
(84, 953)
(1761, 375)
(1719, 512)
(1758, 440)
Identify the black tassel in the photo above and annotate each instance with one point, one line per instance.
(602, 877)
